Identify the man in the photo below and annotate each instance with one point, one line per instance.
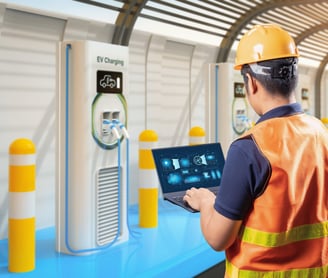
(271, 213)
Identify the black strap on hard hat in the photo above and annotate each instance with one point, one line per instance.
(285, 68)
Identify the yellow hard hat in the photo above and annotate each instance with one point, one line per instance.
(264, 42)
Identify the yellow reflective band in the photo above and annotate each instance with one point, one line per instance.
(233, 271)
(265, 239)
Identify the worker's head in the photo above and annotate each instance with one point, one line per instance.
(269, 54)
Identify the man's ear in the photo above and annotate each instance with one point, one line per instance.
(252, 84)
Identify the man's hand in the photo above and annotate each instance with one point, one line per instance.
(197, 198)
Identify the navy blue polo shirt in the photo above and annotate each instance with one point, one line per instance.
(245, 171)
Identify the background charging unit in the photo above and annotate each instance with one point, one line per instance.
(91, 189)
(228, 111)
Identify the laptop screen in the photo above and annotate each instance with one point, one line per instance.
(183, 167)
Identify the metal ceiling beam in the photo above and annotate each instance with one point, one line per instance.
(227, 42)
(125, 21)
(310, 31)
(240, 24)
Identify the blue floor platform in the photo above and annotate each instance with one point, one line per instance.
(176, 248)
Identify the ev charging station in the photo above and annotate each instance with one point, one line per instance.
(92, 147)
(227, 106)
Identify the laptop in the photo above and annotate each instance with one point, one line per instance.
(180, 168)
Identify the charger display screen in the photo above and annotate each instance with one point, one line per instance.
(109, 82)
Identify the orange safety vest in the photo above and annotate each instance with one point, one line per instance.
(286, 232)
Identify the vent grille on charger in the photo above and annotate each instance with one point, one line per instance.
(107, 205)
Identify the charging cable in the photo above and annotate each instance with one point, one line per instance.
(122, 128)
(127, 137)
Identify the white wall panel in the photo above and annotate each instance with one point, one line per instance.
(175, 93)
(27, 91)
(136, 100)
(176, 89)
(27, 86)
(153, 84)
(202, 55)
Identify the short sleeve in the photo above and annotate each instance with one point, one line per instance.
(244, 178)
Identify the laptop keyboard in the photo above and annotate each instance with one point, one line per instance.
(179, 199)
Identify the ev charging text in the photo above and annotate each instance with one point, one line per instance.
(108, 60)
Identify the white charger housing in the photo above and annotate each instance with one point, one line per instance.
(91, 189)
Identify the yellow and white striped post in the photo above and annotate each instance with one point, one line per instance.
(21, 214)
(325, 121)
(196, 135)
(148, 181)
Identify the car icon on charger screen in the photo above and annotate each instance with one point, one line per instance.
(107, 81)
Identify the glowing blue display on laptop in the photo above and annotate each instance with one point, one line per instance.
(180, 168)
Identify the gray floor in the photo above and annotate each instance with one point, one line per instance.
(216, 271)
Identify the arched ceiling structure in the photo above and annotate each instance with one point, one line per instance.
(305, 20)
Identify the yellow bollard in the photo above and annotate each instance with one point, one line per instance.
(196, 135)
(21, 214)
(325, 121)
(148, 181)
